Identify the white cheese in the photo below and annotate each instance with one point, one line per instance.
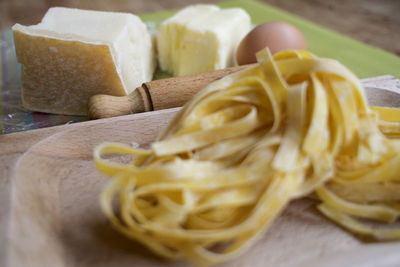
(73, 54)
(201, 38)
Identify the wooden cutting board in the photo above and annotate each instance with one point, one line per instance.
(50, 213)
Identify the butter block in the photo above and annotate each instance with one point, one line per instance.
(74, 54)
(201, 38)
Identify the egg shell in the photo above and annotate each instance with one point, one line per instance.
(277, 35)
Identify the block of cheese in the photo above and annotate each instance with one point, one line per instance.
(73, 54)
(201, 38)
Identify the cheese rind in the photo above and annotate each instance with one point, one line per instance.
(73, 54)
(201, 38)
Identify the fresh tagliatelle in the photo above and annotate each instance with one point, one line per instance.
(244, 147)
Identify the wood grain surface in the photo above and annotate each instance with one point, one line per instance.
(375, 22)
(49, 194)
(55, 209)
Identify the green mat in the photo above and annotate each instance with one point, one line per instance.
(364, 60)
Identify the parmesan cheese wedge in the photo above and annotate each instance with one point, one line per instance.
(74, 54)
(201, 38)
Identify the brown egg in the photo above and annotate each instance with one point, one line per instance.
(277, 35)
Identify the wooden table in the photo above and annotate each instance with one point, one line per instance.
(375, 22)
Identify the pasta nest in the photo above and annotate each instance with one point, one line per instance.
(245, 146)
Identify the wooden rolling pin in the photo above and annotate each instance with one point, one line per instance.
(155, 95)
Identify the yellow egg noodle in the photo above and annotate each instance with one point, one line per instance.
(244, 147)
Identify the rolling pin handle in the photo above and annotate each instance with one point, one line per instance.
(106, 106)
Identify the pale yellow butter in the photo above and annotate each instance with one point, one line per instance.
(73, 54)
(201, 38)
